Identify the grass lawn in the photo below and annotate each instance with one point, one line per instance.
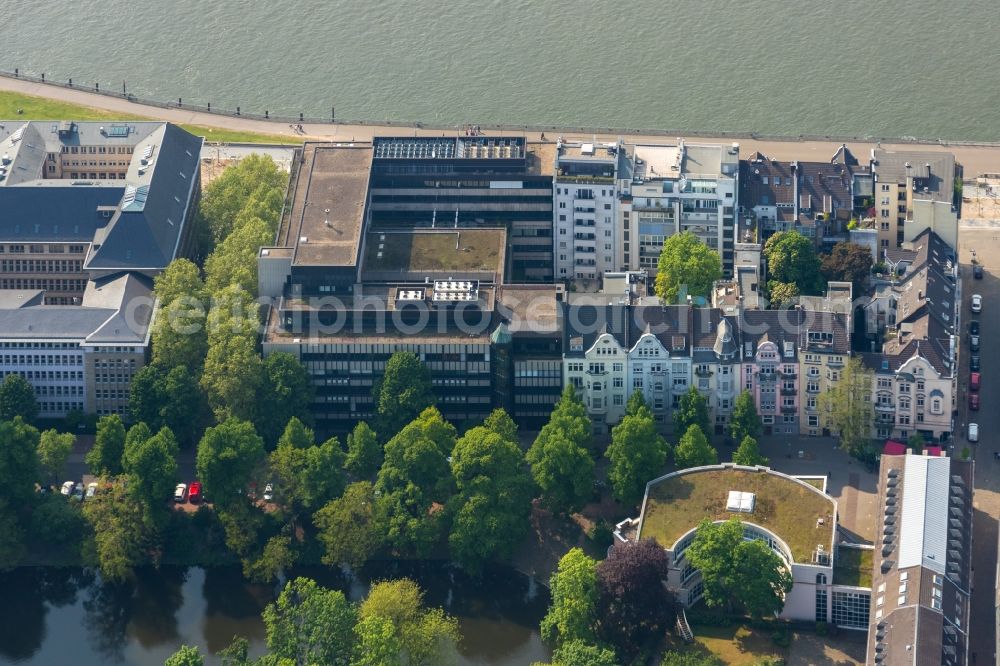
(853, 566)
(41, 108)
(736, 645)
(436, 251)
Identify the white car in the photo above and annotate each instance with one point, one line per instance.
(977, 303)
(67, 488)
(268, 493)
(91, 490)
(180, 493)
(973, 432)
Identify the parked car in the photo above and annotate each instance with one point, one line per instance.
(67, 488)
(180, 493)
(973, 432)
(974, 402)
(78, 492)
(977, 271)
(977, 303)
(974, 363)
(268, 493)
(974, 379)
(194, 493)
(974, 343)
(91, 490)
(974, 327)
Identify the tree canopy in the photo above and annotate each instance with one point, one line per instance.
(637, 453)
(309, 624)
(307, 475)
(151, 466)
(745, 421)
(848, 406)
(791, 258)
(17, 398)
(228, 455)
(633, 605)
(782, 294)
(693, 450)
(348, 527)
(572, 614)
(105, 457)
(364, 453)
(686, 264)
(18, 460)
(402, 393)
(121, 532)
(425, 635)
(493, 502)
(691, 410)
(848, 262)
(53, 452)
(561, 464)
(748, 453)
(737, 573)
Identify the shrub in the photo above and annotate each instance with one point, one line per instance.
(601, 534)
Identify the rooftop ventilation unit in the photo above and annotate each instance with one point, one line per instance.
(741, 502)
(16, 136)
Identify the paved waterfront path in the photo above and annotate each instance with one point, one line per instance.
(975, 158)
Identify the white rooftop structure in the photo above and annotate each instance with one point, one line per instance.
(923, 532)
(741, 502)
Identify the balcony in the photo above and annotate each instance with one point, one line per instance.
(585, 237)
(586, 211)
(703, 372)
(787, 375)
(767, 377)
(789, 409)
(812, 388)
(789, 391)
(835, 363)
(885, 407)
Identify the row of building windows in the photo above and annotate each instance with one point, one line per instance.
(48, 375)
(111, 394)
(96, 150)
(59, 407)
(42, 248)
(41, 265)
(44, 284)
(59, 390)
(41, 359)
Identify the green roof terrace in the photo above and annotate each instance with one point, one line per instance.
(795, 511)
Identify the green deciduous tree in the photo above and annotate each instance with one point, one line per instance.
(499, 421)
(376, 643)
(748, 453)
(580, 653)
(252, 187)
(309, 624)
(180, 335)
(791, 257)
(572, 614)
(285, 393)
(180, 278)
(232, 377)
(691, 410)
(18, 460)
(693, 450)
(848, 406)
(53, 452)
(228, 455)
(307, 475)
(637, 453)
(425, 636)
(349, 527)
(848, 262)
(105, 457)
(185, 656)
(402, 393)
(561, 463)
(277, 556)
(418, 455)
(234, 260)
(686, 263)
(745, 422)
(782, 294)
(493, 501)
(121, 533)
(168, 398)
(672, 658)
(17, 398)
(737, 573)
(12, 548)
(151, 466)
(364, 453)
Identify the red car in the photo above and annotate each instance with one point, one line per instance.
(974, 378)
(194, 492)
(974, 402)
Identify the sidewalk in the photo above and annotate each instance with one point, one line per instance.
(975, 159)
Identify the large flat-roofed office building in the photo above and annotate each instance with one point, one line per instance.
(920, 612)
(90, 213)
(358, 279)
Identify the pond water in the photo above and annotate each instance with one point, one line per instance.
(69, 616)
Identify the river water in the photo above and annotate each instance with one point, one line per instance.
(68, 616)
(921, 68)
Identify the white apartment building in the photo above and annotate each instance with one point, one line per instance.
(587, 239)
(667, 190)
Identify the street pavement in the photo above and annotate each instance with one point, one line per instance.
(986, 500)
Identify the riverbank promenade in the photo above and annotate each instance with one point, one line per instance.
(975, 158)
